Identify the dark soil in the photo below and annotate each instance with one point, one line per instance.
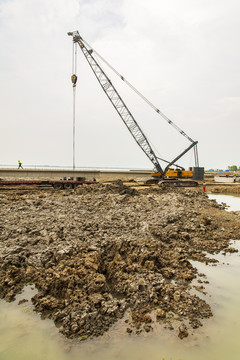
(98, 251)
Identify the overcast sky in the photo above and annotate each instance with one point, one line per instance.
(183, 55)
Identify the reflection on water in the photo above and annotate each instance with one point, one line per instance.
(24, 336)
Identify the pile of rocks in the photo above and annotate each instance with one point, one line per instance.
(99, 251)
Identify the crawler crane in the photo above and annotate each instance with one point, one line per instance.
(160, 173)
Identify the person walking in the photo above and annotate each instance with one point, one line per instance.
(20, 165)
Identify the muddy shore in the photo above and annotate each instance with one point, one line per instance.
(217, 188)
(99, 252)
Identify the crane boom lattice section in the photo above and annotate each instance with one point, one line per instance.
(118, 104)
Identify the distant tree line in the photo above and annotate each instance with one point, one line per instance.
(233, 168)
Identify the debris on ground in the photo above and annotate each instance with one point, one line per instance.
(99, 251)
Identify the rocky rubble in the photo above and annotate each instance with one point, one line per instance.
(99, 251)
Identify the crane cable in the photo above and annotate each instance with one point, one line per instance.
(137, 92)
(74, 81)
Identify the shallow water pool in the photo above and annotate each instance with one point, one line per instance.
(233, 201)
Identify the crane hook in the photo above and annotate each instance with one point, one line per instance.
(74, 80)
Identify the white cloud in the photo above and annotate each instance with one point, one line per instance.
(183, 55)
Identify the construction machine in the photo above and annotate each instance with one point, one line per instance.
(159, 173)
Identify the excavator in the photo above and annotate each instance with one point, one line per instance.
(178, 176)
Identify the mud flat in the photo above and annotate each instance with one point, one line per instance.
(219, 188)
(104, 252)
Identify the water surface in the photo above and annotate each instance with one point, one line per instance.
(233, 201)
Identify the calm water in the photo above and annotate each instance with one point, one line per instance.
(24, 336)
(233, 201)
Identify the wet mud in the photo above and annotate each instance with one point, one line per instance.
(99, 252)
(223, 189)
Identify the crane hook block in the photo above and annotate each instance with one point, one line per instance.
(74, 79)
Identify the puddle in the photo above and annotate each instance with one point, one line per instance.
(233, 201)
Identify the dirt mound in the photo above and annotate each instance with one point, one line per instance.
(224, 189)
(98, 252)
(116, 187)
